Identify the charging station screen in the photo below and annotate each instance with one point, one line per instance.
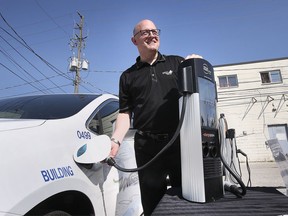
(207, 96)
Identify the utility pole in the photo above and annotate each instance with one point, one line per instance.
(78, 63)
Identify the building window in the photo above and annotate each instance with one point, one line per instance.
(271, 76)
(228, 81)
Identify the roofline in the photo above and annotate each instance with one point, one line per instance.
(250, 62)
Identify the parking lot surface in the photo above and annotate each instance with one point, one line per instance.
(263, 174)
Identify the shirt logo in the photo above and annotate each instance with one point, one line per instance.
(170, 72)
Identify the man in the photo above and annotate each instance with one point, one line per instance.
(148, 90)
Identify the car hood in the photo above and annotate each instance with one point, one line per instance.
(14, 124)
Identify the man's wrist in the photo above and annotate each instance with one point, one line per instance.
(115, 141)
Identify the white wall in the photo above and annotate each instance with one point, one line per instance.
(234, 102)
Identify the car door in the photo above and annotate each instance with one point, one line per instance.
(128, 201)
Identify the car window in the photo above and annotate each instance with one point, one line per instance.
(102, 122)
(44, 106)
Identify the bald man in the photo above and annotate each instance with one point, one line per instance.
(148, 91)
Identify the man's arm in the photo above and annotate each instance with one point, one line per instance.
(122, 125)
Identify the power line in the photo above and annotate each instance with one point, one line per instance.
(26, 72)
(51, 18)
(27, 83)
(33, 92)
(31, 65)
(107, 71)
(101, 90)
(20, 77)
(30, 49)
(24, 43)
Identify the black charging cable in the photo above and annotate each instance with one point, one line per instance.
(111, 161)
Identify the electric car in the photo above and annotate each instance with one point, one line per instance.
(52, 157)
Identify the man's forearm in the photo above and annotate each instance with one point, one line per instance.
(122, 125)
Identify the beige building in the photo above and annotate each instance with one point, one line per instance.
(254, 98)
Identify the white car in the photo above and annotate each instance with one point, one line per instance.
(51, 158)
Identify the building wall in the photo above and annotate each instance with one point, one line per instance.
(250, 107)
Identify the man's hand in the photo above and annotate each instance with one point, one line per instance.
(193, 56)
(114, 149)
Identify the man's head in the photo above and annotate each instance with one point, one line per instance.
(146, 38)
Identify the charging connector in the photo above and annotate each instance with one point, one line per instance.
(110, 161)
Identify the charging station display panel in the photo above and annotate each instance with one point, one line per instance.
(207, 98)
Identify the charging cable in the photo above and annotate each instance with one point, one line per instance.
(227, 185)
(110, 161)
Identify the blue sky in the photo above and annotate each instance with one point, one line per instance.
(222, 31)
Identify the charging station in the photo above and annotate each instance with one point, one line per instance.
(200, 149)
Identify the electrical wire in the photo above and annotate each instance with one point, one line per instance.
(28, 83)
(21, 77)
(51, 18)
(31, 65)
(33, 92)
(24, 44)
(249, 184)
(26, 74)
(101, 90)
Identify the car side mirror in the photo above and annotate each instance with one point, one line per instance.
(93, 151)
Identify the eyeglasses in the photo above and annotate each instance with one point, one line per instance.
(146, 32)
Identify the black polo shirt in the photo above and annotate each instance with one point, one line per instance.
(150, 93)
